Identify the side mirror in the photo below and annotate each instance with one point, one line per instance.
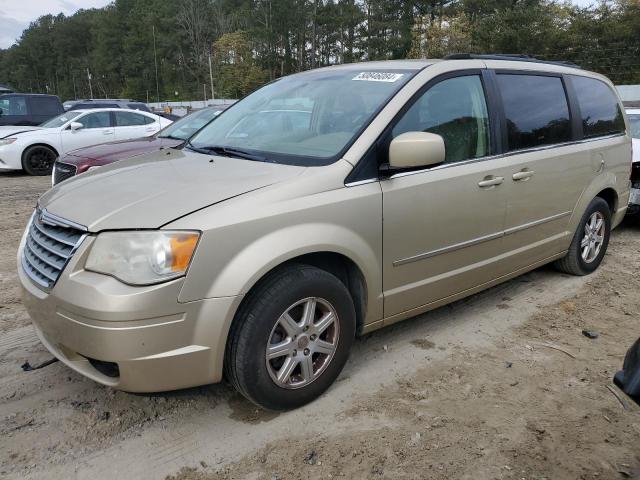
(416, 149)
(76, 126)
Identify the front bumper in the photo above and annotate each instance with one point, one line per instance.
(148, 340)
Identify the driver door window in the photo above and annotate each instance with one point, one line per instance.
(456, 110)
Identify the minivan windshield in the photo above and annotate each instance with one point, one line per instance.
(306, 119)
(634, 123)
(60, 120)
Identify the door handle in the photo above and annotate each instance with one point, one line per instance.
(490, 181)
(107, 132)
(523, 175)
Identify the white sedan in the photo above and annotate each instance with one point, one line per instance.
(34, 149)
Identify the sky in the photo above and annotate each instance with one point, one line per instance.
(15, 15)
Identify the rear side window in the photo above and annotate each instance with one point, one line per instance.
(536, 110)
(45, 106)
(129, 119)
(599, 107)
(13, 106)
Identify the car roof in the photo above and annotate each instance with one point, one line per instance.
(16, 94)
(111, 109)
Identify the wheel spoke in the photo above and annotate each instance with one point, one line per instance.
(585, 252)
(306, 367)
(277, 350)
(599, 224)
(325, 348)
(584, 242)
(289, 324)
(599, 238)
(287, 369)
(309, 312)
(324, 323)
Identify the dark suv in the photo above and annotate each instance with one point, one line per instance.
(107, 103)
(28, 108)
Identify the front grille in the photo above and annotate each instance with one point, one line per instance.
(62, 171)
(50, 243)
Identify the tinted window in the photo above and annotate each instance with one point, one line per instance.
(96, 120)
(456, 110)
(536, 109)
(129, 119)
(634, 123)
(601, 113)
(45, 106)
(60, 120)
(13, 106)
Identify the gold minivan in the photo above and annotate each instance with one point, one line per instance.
(324, 205)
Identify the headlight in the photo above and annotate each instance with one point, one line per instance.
(142, 258)
(7, 141)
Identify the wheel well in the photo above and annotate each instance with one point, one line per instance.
(341, 267)
(39, 145)
(610, 196)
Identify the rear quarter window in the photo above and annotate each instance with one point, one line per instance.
(45, 106)
(599, 108)
(536, 110)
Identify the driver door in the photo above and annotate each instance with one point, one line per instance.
(443, 226)
(96, 128)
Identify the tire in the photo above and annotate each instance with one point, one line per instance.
(575, 262)
(260, 321)
(38, 160)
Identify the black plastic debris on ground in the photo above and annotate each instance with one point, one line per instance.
(590, 334)
(628, 379)
(27, 367)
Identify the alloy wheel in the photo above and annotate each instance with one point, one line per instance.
(593, 238)
(302, 343)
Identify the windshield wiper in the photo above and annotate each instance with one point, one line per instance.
(228, 152)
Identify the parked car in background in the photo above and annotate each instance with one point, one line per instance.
(28, 109)
(5, 89)
(79, 161)
(106, 103)
(633, 114)
(34, 149)
(260, 249)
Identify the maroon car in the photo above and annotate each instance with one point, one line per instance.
(81, 160)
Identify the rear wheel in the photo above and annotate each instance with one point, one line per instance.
(291, 338)
(38, 160)
(590, 241)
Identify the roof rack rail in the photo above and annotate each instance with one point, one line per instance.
(517, 57)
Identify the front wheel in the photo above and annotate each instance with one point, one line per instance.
(590, 241)
(38, 160)
(291, 338)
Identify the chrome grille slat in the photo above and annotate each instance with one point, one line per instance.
(43, 245)
(56, 235)
(50, 242)
(45, 256)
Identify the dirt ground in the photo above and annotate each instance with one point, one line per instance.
(502, 385)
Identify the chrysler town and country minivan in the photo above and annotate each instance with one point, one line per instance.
(324, 205)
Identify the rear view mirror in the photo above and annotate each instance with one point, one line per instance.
(76, 126)
(416, 149)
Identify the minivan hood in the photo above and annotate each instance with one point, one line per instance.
(7, 131)
(151, 190)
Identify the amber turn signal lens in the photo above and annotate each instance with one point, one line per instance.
(182, 248)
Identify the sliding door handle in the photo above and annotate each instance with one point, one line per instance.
(490, 181)
(523, 175)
